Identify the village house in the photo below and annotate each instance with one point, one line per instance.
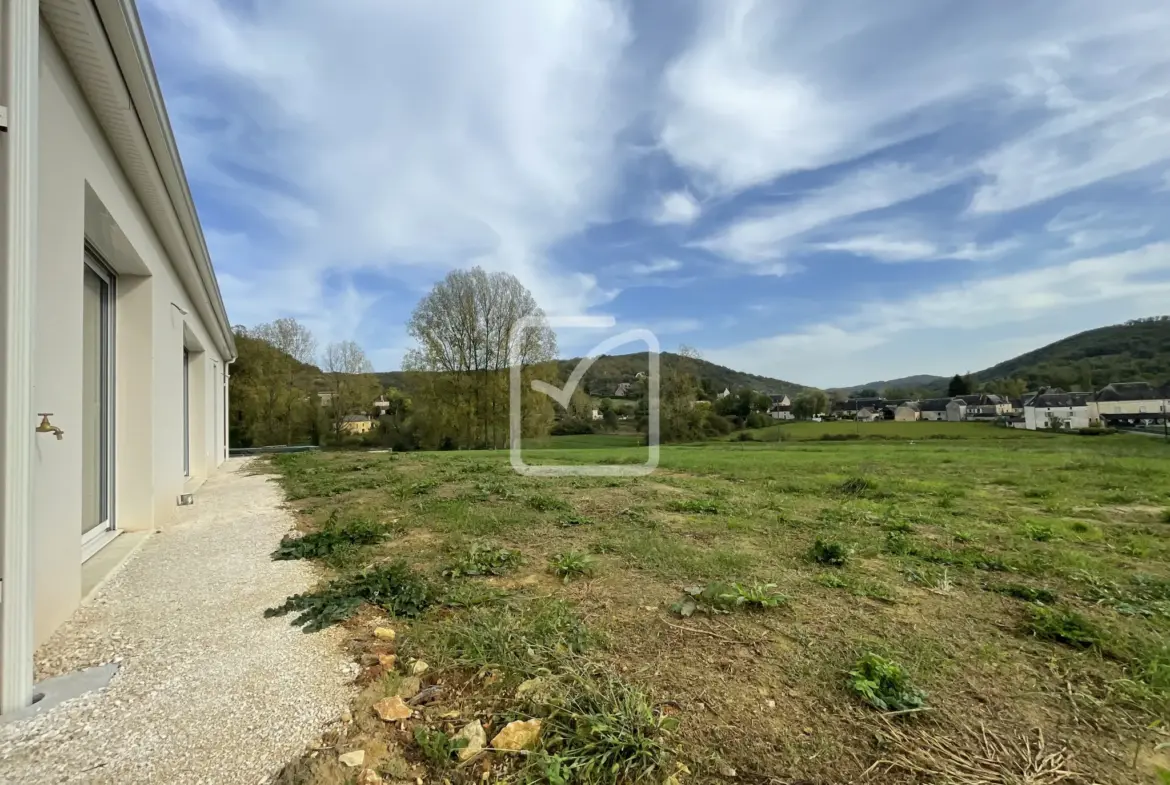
(1053, 407)
(868, 415)
(622, 390)
(933, 409)
(357, 424)
(956, 410)
(1130, 404)
(907, 412)
(781, 408)
(986, 406)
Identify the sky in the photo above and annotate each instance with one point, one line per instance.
(823, 192)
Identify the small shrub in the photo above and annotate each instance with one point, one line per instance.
(746, 436)
(1096, 431)
(570, 565)
(696, 506)
(437, 747)
(545, 503)
(885, 684)
(394, 588)
(1026, 593)
(1063, 626)
(840, 437)
(483, 560)
(335, 540)
(834, 554)
(726, 597)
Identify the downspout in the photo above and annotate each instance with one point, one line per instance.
(22, 44)
(226, 401)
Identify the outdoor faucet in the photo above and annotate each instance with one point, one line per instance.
(48, 427)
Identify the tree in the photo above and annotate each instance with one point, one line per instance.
(290, 337)
(270, 400)
(869, 392)
(350, 381)
(809, 404)
(470, 329)
(959, 386)
(897, 393)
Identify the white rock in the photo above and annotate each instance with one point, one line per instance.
(476, 740)
(353, 759)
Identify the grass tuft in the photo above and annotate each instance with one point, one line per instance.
(834, 554)
(480, 560)
(570, 565)
(547, 503)
(1026, 593)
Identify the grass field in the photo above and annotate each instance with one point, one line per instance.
(984, 587)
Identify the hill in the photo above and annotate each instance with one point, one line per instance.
(610, 370)
(920, 381)
(1135, 351)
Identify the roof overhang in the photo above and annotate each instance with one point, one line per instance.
(106, 49)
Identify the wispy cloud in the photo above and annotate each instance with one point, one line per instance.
(656, 266)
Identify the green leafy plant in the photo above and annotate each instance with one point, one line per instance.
(335, 540)
(572, 519)
(832, 580)
(545, 503)
(1064, 626)
(481, 560)
(1026, 593)
(884, 684)
(727, 597)
(570, 565)
(834, 554)
(437, 747)
(394, 588)
(897, 543)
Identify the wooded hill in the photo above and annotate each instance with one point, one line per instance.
(1135, 351)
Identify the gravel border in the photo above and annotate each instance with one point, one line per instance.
(209, 691)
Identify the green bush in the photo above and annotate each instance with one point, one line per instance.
(834, 554)
(885, 684)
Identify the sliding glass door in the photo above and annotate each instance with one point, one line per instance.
(97, 414)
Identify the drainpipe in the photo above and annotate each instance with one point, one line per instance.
(226, 400)
(22, 63)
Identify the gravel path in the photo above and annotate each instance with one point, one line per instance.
(209, 691)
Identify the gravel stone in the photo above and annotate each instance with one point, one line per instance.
(209, 691)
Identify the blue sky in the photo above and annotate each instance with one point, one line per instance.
(824, 192)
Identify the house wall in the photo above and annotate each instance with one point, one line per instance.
(1130, 407)
(1038, 417)
(956, 413)
(904, 414)
(84, 194)
(934, 416)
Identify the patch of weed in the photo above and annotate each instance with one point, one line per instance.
(337, 541)
(884, 684)
(832, 580)
(696, 506)
(897, 543)
(1038, 493)
(834, 554)
(546, 503)
(481, 560)
(471, 594)
(1063, 626)
(857, 486)
(437, 747)
(1040, 532)
(394, 588)
(1026, 593)
(599, 729)
(570, 565)
(572, 519)
(727, 597)
(1164, 517)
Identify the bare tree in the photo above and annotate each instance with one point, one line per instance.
(469, 329)
(290, 336)
(352, 386)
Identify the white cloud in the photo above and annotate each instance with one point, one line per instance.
(959, 327)
(678, 207)
(771, 88)
(763, 237)
(419, 133)
(661, 265)
(895, 248)
(1084, 229)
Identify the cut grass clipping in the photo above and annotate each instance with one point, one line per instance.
(727, 597)
(335, 540)
(570, 565)
(481, 560)
(884, 684)
(394, 588)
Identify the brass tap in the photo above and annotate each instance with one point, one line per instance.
(48, 427)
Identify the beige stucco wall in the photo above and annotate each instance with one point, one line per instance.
(1129, 407)
(151, 330)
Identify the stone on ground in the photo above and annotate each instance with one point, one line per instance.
(476, 740)
(392, 709)
(518, 735)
